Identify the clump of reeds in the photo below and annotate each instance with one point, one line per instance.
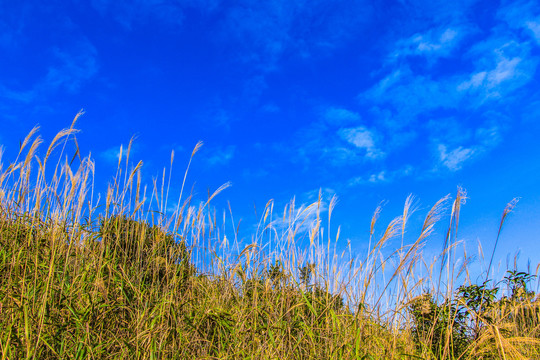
(132, 279)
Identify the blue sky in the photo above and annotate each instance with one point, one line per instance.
(368, 100)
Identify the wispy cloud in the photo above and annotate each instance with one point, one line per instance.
(340, 116)
(267, 30)
(503, 65)
(339, 137)
(450, 130)
(534, 27)
(492, 68)
(409, 94)
(501, 60)
(341, 141)
(412, 96)
(522, 15)
(216, 114)
(435, 43)
(364, 139)
(378, 177)
(73, 67)
(381, 176)
(69, 70)
(455, 158)
(457, 144)
(111, 155)
(220, 155)
(490, 135)
(23, 96)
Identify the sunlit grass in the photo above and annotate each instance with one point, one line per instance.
(130, 278)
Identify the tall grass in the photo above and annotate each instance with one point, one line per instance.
(131, 276)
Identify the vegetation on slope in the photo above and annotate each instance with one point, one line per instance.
(80, 279)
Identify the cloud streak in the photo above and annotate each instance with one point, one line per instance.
(454, 159)
(268, 30)
(411, 93)
(69, 70)
(221, 155)
(338, 138)
(522, 15)
(433, 44)
(363, 139)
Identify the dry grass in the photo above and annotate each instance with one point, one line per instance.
(126, 280)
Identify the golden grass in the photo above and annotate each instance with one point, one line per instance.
(128, 280)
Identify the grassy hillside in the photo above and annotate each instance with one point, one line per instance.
(82, 278)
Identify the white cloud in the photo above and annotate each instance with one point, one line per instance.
(268, 29)
(503, 65)
(334, 139)
(359, 137)
(70, 70)
(434, 43)
(362, 138)
(448, 36)
(379, 90)
(534, 27)
(505, 70)
(449, 130)
(454, 159)
(379, 177)
(475, 81)
(111, 155)
(23, 96)
(429, 43)
(412, 95)
(355, 181)
(221, 155)
(382, 176)
(339, 116)
(489, 137)
(458, 143)
(413, 92)
(74, 67)
(339, 155)
(523, 15)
